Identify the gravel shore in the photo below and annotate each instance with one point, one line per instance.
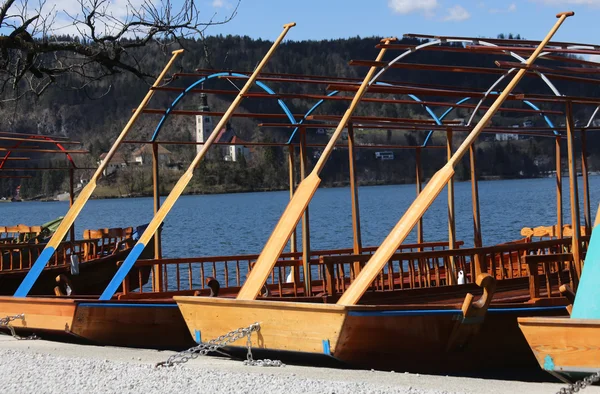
(51, 367)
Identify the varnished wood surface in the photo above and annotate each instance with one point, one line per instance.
(387, 337)
(40, 313)
(287, 326)
(156, 323)
(132, 324)
(563, 344)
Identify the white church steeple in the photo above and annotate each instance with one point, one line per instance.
(204, 124)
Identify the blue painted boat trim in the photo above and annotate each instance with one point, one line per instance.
(532, 309)
(124, 269)
(34, 272)
(406, 312)
(326, 347)
(448, 311)
(125, 305)
(198, 336)
(548, 363)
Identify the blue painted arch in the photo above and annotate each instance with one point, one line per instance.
(527, 102)
(286, 110)
(437, 120)
(175, 102)
(310, 111)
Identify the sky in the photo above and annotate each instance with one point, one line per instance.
(322, 19)
(330, 19)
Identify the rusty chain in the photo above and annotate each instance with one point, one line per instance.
(5, 321)
(218, 343)
(580, 385)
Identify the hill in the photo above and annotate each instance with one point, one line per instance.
(96, 114)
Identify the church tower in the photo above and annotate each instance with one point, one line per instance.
(204, 124)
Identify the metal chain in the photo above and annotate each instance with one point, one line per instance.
(5, 321)
(215, 344)
(580, 385)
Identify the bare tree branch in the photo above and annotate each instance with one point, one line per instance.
(39, 47)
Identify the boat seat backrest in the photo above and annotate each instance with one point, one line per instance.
(550, 232)
(108, 233)
(19, 233)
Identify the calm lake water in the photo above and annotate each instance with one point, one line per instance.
(229, 224)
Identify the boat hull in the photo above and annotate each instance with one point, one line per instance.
(567, 348)
(407, 338)
(147, 324)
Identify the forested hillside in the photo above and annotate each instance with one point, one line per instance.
(96, 114)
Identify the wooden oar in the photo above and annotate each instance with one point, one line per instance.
(297, 205)
(390, 245)
(186, 177)
(87, 191)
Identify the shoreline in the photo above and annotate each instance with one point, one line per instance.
(332, 186)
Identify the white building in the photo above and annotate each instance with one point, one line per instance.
(238, 149)
(117, 161)
(143, 155)
(506, 137)
(204, 127)
(204, 124)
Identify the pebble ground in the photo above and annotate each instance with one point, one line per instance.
(50, 367)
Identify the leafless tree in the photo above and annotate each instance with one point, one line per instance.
(87, 40)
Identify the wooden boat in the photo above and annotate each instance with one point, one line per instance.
(28, 234)
(117, 322)
(320, 329)
(428, 319)
(442, 339)
(78, 267)
(121, 320)
(414, 338)
(569, 348)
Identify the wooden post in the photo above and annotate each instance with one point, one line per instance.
(294, 238)
(305, 218)
(477, 242)
(574, 195)
(292, 177)
(71, 200)
(451, 277)
(418, 185)
(157, 271)
(559, 213)
(357, 239)
(587, 214)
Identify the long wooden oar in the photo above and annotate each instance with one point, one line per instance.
(437, 183)
(297, 205)
(186, 177)
(87, 191)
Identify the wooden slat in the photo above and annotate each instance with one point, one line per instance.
(498, 41)
(281, 324)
